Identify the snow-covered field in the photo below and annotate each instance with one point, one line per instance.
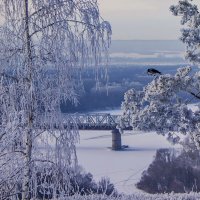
(124, 168)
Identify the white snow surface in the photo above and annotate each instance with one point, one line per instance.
(191, 196)
(124, 168)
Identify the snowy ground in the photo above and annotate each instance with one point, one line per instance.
(124, 168)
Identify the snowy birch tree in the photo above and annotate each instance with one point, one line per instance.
(159, 107)
(44, 44)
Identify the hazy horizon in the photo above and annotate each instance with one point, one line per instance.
(147, 51)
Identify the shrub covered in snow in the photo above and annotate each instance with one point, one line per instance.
(80, 182)
(83, 183)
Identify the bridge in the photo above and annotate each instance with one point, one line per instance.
(93, 121)
(98, 121)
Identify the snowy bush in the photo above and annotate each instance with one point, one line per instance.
(82, 183)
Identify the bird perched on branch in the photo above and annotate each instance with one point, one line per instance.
(152, 71)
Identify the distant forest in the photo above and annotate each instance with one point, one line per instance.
(110, 95)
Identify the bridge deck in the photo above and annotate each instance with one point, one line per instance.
(94, 121)
(88, 121)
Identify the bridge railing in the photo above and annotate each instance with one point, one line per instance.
(94, 120)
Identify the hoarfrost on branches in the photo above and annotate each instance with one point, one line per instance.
(160, 108)
(190, 18)
(44, 45)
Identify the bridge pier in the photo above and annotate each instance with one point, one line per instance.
(116, 140)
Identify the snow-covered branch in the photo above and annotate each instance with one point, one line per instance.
(161, 108)
(190, 18)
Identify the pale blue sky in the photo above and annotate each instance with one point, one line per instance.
(141, 19)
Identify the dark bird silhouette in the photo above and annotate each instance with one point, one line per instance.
(152, 71)
(195, 95)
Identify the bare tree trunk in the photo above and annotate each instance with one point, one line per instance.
(27, 167)
(28, 134)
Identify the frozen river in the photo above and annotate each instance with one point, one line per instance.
(124, 168)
